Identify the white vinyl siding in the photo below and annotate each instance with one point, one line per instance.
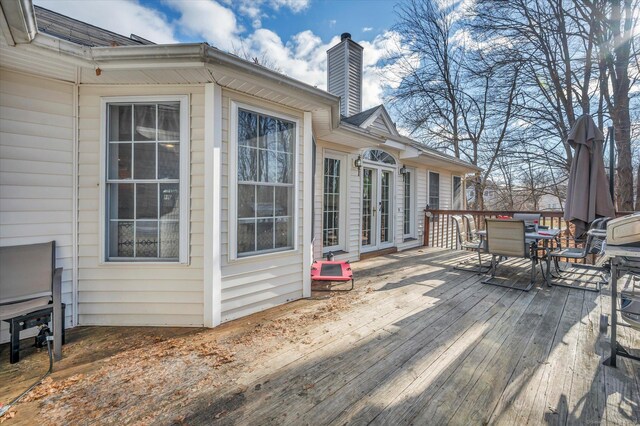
(137, 293)
(445, 189)
(36, 170)
(379, 126)
(258, 282)
(344, 76)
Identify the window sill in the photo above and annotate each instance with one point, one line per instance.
(154, 263)
(335, 252)
(409, 239)
(275, 254)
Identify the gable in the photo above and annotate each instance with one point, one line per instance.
(380, 123)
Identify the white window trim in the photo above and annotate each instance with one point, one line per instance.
(233, 182)
(453, 193)
(342, 213)
(412, 204)
(429, 189)
(185, 186)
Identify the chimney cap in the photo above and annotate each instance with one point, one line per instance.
(345, 36)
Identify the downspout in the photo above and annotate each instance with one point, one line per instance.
(74, 214)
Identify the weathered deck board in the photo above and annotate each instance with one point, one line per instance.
(416, 343)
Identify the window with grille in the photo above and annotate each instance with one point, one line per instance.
(265, 179)
(143, 186)
(434, 191)
(331, 203)
(407, 204)
(457, 193)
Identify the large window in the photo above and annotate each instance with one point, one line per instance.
(457, 193)
(434, 191)
(143, 177)
(331, 204)
(265, 177)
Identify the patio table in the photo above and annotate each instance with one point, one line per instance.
(542, 234)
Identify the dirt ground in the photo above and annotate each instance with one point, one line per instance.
(143, 375)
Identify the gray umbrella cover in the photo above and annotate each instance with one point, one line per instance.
(588, 188)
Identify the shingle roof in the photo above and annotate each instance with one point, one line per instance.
(79, 32)
(361, 117)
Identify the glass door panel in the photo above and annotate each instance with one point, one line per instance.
(368, 211)
(385, 207)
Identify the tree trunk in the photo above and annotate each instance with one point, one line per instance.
(620, 111)
(638, 190)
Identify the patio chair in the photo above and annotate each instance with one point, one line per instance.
(593, 245)
(506, 238)
(30, 294)
(466, 240)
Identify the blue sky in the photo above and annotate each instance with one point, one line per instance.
(364, 19)
(291, 35)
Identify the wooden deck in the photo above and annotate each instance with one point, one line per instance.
(416, 343)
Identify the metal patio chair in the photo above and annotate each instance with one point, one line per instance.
(593, 245)
(466, 239)
(31, 294)
(505, 239)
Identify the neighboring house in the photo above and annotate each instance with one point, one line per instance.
(550, 202)
(179, 181)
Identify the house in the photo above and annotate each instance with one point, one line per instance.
(185, 186)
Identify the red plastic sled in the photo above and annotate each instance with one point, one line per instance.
(332, 270)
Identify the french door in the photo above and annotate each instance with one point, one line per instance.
(377, 208)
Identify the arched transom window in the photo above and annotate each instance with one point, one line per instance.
(379, 156)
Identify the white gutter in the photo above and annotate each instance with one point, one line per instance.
(74, 214)
(20, 19)
(178, 55)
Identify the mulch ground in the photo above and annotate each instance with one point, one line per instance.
(142, 375)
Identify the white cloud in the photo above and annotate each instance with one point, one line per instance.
(120, 16)
(254, 9)
(295, 5)
(332, 23)
(367, 29)
(302, 57)
(209, 20)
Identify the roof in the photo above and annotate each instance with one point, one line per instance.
(361, 117)
(81, 33)
(450, 158)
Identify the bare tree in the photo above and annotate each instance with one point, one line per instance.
(614, 36)
(429, 96)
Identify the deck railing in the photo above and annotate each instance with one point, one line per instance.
(439, 230)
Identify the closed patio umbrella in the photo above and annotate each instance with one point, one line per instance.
(588, 188)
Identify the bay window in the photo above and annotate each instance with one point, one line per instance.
(145, 180)
(265, 183)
